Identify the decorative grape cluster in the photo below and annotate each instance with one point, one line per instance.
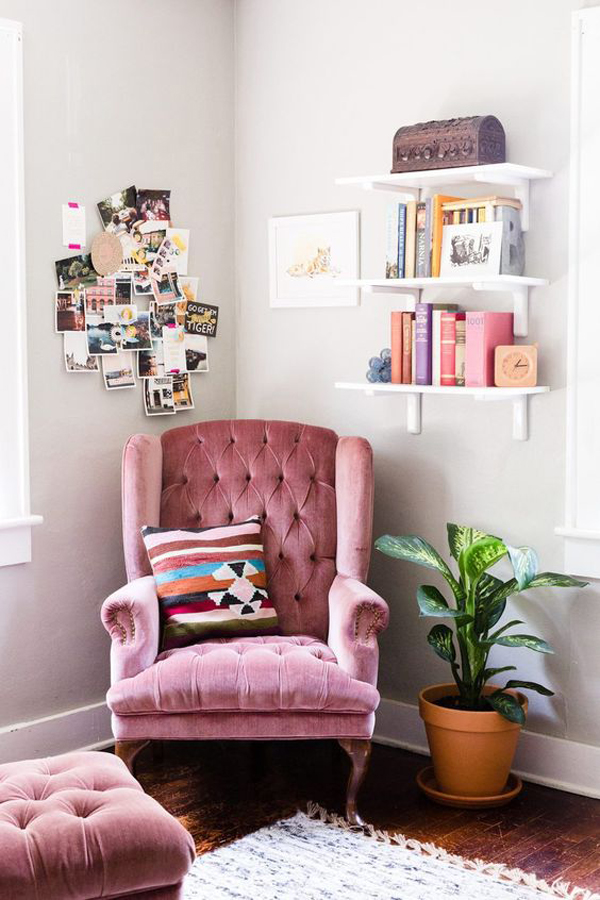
(380, 367)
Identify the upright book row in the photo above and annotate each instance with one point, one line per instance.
(438, 345)
(416, 230)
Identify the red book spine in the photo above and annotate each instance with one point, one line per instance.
(448, 347)
(407, 318)
(396, 348)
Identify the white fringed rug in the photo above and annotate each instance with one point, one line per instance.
(319, 857)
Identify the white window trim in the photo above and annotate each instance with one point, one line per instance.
(15, 531)
(581, 535)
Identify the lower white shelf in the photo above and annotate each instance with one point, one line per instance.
(414, 392)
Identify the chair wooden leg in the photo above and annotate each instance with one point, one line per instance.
(359, 752)
(128, 750)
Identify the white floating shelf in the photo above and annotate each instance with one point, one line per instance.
(412, 183)
(517, 285)
(414, 392)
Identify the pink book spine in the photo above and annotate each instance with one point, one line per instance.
(448, 348)
(485, 331)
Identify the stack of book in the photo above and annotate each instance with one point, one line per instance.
(439, 345)
(414, 230)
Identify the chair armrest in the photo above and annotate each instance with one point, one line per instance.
(356, 616)
(131, 617)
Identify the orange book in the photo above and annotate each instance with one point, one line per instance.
(396, 348)
(407, 318)
(437, 214)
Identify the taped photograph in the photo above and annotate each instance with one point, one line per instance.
(117, 371)
(158, 396)
(182, 392)
(75, 271)
(151, 362)
(69, 311)
(196, 353)
(77, 357)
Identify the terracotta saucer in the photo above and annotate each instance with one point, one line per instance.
(427, 783)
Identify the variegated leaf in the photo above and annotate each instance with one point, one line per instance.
(525, 563)
(461, 536)
(481, 555)
(530, 686)
(440, 638)
(524, 640)
(553, 579)
(508, 706)
(432, 603)
(414, 549)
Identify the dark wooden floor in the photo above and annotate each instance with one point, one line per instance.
(222, 791)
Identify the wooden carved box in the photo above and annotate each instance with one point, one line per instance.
(471, 141)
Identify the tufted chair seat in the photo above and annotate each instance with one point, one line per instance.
(262, 674)
(318, 679)
(79, 826)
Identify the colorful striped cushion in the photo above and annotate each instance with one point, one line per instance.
(211, 582)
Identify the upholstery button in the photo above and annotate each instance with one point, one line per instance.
(198, 517)
(296, 596)
(281, 556)
(296, 440)
(232, 441)
(230, 517)
(312, 557)
(296, 516)
(248, 476)
(216, 477)
(280, 477)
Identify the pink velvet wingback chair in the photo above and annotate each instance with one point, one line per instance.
(317, 679)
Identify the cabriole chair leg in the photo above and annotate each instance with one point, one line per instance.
(359, 752)
(128, 751)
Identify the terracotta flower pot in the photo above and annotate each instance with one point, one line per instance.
(472, 752)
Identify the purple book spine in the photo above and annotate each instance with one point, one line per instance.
(423, 323)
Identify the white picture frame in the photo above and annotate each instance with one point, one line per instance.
(471, 249)
(309, 258)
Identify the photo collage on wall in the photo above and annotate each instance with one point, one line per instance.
(129, 309)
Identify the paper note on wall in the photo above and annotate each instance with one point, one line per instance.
(73, 224)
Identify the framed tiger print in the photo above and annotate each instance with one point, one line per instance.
(311, 259)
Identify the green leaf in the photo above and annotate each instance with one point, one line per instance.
(496, 634)
(474, 560)
(440, 638)
(497, 601)
(432, 603)
(524, 640)
(486, 587)
(489, 673)
(525, 563)
(460, 537)
(508, 706)
(553, 579)
(414, 549)
(530, 686)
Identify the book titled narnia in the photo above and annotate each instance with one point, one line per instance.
(421, 249)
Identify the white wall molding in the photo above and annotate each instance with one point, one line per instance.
(551, 761)
(83, 728)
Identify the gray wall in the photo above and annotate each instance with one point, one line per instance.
(136, 92)
(320, 90)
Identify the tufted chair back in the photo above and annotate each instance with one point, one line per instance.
(226, 471)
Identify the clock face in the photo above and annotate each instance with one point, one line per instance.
(516, 365)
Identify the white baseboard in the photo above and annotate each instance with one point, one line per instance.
(555, 762)
(84, 728)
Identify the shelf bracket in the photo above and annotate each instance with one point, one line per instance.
(413, 413)
(521, 418)
(520, 295)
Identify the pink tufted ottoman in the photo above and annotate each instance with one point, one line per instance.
(80, 827)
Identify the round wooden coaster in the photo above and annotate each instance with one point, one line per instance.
(107, 253)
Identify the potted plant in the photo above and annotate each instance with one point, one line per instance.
(473, 724)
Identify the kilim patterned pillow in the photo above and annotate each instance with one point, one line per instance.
(210, 582)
